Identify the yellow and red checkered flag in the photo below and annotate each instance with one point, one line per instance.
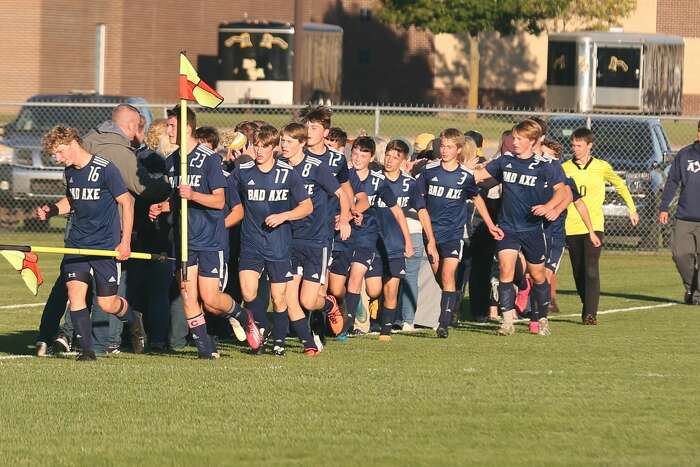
(192, 88)
(26, 264)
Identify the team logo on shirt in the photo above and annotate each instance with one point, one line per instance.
(523, 179)
(268, 195)
(87, 194)
(694, 166)
(451, 193)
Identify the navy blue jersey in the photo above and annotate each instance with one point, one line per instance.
(338, 165)
(446, 194)
(205, 225)
(380, 196)
(526, 183)
(92, 192)
(557, 226)
(320, 185)
(408, 198)
(231, 200)
(356, 184)
(279, 190)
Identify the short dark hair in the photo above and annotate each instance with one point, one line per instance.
(582, 133)
(540, 121)
(554, 145)
(191, 116)
(317, 114)
(338, 135)
(398, 146)
(364, 144)
(248, 129)
(207, 134)
(477, 137)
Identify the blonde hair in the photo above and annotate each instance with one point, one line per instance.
(157, 140)
(59, 135)
(529, 129)
(469, 151)
(457, 137)
(296, 131)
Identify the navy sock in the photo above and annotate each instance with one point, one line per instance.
(83, 327)
(519, 276)
(259, 309)
(280, 327)
(541, 294)
(456, 302)
(447, 301)
(202, 340)
(327, 307)
(351, 302)
(301, 328)
(236, 312)
(388, 315)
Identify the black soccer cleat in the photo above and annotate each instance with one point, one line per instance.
(442, 332)
(278, 351)
(87, 356)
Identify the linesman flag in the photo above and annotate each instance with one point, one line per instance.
(192, 88)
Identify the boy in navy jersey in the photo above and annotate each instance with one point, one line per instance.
(95, 192)
(318, 123)
(447, 186)
(309, 249)
(390, 264)
(366, 235)
(273, 197)
(522, 211)
(205, 190)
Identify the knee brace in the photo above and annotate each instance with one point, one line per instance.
(506, 296)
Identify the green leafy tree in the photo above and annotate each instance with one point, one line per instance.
(589, 15)
(472, 17)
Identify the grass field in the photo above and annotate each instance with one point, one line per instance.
(622, 393)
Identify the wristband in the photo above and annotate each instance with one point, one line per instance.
(53, 211)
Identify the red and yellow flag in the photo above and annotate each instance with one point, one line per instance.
(192, 88)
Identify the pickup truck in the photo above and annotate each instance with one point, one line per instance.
(639, 151)
(29, 176)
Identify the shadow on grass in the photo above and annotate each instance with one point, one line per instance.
(641, 298)
(18, 342)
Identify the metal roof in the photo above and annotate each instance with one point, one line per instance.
(619, 37)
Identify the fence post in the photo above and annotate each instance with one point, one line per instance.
(377, 113)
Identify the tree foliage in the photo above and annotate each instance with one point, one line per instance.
(595, 14)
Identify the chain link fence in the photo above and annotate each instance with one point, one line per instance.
(639, 148)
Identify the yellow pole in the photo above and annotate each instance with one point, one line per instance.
(183, 181)
(80, 251)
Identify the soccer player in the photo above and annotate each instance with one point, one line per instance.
(554, 227)
(273, 196)
(447, 186)
(366, 234)
(591, 175)
(336, 139)
(95, 193)
(206, 263)
(390, 264)
(309, 248)
(522, 177)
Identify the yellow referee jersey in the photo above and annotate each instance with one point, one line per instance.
(590, 180)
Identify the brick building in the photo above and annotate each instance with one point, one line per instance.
(49, 47)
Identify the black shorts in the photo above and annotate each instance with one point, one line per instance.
(339, 263)
(451, 249)
(532, 243)
(310, 262)
(364, 256)
(105, 271)
(278, 271)
(387, 267)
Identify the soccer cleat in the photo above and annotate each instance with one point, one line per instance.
(137, 332)
(318, 342)
(454, 319)
(61, 343)
(278, 351)
(385, 338)
(688, 297)
(113, 351)
(534, 327)
(589, 320)
(87, 356)
(408, 327)
(357, 332)
(42, 350)
(342, 337)
(442, 332)
(252, 333)
(208, 356)
(506, 329)
(335, 317)
(544, 327)
(238, 330)
(522, 297)
(311, 352)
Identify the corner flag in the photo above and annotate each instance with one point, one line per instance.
(192, 88)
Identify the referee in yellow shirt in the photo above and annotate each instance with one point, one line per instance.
(590, 175)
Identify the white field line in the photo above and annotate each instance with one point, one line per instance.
(22, 305)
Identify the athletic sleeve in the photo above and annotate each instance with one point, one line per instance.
(421, 184)
(554, 173)
(235, 181)
(324, 177)
(355, 182)
(574, 189)
(215, 175)
(386, 194)
(675, 177)
(469, 188)
(113, 180)
(234, 199)
(415, 198)
(495, 168)
(343, 172)
(296, 187)
(615, 180)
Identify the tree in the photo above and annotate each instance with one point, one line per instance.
(594, 14)
(472, 17)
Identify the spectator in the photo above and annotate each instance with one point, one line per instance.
(208, 136)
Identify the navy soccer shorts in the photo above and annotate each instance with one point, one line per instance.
(387, 267)
(277, 271)
(339, 263)
(310, 262)
(106, 272)
(532, 244)
(451, 249)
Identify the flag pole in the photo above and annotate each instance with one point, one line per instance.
(183, 180)
(81, 251)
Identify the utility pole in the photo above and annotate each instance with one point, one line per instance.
(298, 45)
